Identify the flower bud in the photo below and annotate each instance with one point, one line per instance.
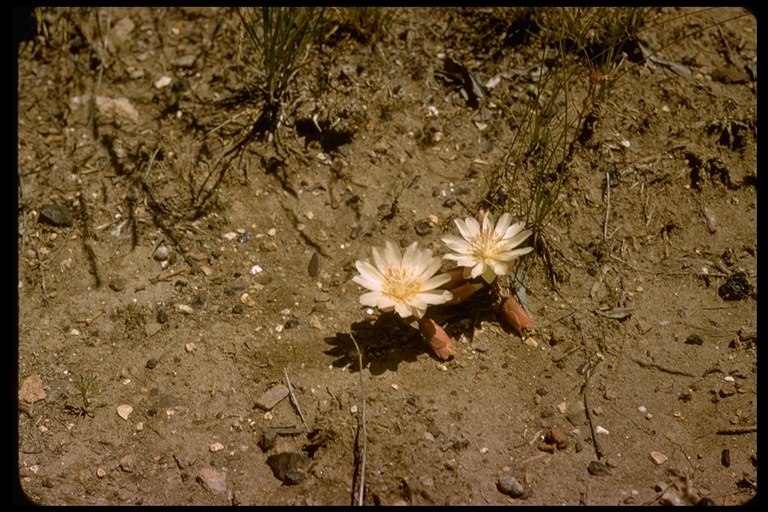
(460, 293)
(437, 338)
(516, 316)
(457, 278)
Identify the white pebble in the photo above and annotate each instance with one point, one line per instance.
(255, 269)
(729, 379)
(642, 409)
(216, 447)
(601, 430)
(186, 309)
(124, 411)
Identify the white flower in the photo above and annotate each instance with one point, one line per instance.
(484, 252)
(404, 282)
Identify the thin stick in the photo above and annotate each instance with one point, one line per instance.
(584, 391)
(294, 399)
(365, 433)
(734, 431)
(607, 205)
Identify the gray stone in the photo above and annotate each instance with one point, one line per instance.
(272, 397)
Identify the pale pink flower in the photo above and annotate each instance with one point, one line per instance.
(404, 282)
(486, 252)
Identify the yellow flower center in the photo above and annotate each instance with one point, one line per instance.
(485, 244)
(401, 284)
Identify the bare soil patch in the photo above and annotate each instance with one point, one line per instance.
(175, 312)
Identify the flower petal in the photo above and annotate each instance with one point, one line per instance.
(469, 228)
(501, 227)
(369, 276)
(392, 255)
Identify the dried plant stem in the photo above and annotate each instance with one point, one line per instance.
(607, 205)
(365, 433)
(294, 400)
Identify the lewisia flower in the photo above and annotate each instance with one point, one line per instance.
(485, 252)
(404, 282)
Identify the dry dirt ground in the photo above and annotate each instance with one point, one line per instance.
(152, 319)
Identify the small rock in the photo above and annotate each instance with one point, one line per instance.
(186, 309)
(190, 347)
(268, 246)
(117, 284)
(289, 467)
(162, 253)
(163, 81)
(725, 458)
(101, 473)
(128, 463)
(557, 437)
(292, 323)
(601, 430)
(694, 339)
(124, 411)
(120, 107)
(185, 61)
(610, 395)
(152, 328)
(510, 486)
(736, 287)
(272, 397)
(597, 468)
(216, 447)
(422, 228)
(728, 389)
(729, 75)
(151, 363)
(213, 480)
(55, 215)
(658, 458)
(162, 316)
(314, 322)
(315, 265)
(120, 31)
(31, 389)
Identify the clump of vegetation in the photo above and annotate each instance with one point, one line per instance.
(576, 46)
(277, 41)
(88, 389)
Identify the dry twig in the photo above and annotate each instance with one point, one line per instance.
(365, 433)
(294, 400)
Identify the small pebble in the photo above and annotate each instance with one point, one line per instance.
(117, 284)
(728, 389)
(510, 486)
(422, 228)
(213, 480)
(601, 430)
(124, 411)
(597, 468)
(725, 458)
(162, 253)
(658, 458)
(55, 215)
(272, 397)
(216, 447)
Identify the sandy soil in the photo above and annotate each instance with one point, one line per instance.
(178, 313)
